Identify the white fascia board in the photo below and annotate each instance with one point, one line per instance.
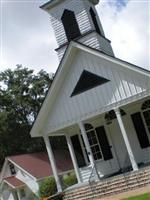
(3, 169)
(52, 3)
(34, 178)
(5, 181)
(114, 60)
(61, 72)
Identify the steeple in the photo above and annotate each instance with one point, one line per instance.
(77, 20)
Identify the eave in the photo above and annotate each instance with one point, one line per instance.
(52, 3)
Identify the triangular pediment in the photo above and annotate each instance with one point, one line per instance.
(87, 81)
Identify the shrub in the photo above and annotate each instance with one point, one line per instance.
(47, 188)
(70, 180)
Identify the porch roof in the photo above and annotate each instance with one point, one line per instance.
(14, 182)
(38, 165)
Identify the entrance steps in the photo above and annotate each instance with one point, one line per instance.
(110, 186)
(85, 173)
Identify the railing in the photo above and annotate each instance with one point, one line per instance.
(94, 174)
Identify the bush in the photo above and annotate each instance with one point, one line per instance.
(70, 180)
(47, 188)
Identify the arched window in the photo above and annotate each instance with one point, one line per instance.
(93, 15)
(70, 25)
(146, 113)
(111, 115)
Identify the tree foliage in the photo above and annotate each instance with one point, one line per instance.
(21, 95)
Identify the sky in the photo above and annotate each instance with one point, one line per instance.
(27, 38)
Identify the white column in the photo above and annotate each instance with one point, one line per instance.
(89, 152)
(52, 162)
(18, 194)
(74, 160)
(126, 140)
(87, 145)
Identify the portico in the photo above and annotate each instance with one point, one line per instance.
(82, 139)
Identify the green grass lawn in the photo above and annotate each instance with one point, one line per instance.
(145, 196)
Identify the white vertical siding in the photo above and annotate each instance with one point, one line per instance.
(81, 15)
(120, 87)
(84, 20)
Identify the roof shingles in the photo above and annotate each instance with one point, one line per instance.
(38, 165)
(14, 182)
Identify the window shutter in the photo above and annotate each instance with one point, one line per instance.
(78, 150)
(104, 143)
(140, 130)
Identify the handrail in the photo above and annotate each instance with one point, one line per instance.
(95, 172)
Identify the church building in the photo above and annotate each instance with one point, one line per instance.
(100, 103)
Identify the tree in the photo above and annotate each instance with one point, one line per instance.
(21, 95)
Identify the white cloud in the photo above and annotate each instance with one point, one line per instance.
(128, 31)
(28, 38)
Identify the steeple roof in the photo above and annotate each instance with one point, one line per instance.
(52, 3)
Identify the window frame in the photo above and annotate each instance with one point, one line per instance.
(92, 129)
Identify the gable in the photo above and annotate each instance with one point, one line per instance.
(123, 83)
(126, 81)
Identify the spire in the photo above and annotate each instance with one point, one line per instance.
(78, 21)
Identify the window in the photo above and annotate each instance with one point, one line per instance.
(141, 122)
(12, 169)
(70, 25)
(93, 15)
(146, 113)
(98, 142)
(140, 130)
(93, 141)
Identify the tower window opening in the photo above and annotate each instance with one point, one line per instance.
(70, 25)
(93, 15)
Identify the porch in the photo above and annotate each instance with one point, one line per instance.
(108, 144)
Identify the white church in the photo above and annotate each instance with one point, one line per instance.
(100, 103)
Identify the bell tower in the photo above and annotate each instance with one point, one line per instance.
(77, 20)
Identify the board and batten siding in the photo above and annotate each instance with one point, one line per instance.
(123, 84)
